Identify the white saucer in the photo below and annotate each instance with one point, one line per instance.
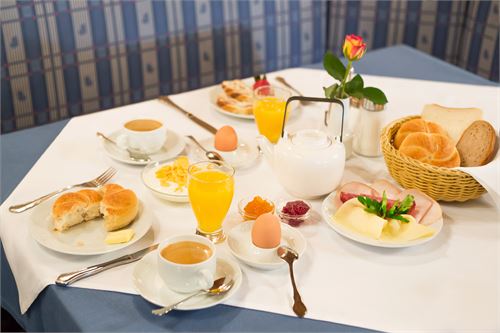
(328, 210)
(244, 156)
(149, 179)
(151, 287)
(239, 241)
(86, 238)
(173, 146)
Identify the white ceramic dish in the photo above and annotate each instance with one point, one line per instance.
(152, 183)
(328, 210)
(217, 90)
(239, 241)
(151, 287)
(174, 145)
(85, 238)
(243, 157)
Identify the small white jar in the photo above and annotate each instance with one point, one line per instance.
(367, 131)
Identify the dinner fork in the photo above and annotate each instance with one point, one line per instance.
(96, 182)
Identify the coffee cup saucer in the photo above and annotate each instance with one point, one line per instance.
(239, 242)
(174, 145)
(151, 287)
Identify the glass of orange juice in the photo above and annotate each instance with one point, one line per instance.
(269, 110)
(210, 190)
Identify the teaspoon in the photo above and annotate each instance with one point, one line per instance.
(289, 255)
(218, 287)
(133, 154)
(211, 155)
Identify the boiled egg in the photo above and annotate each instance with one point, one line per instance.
(266, 231)
(226, 139)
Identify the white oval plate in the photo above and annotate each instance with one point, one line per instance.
(328, 210)
(167, 193)
(174, 144)
(86, 238)
(244, 156)
(217, 90)
(239, 241)
(151, 287)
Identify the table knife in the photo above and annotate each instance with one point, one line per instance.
(202, 123)
(66, 279)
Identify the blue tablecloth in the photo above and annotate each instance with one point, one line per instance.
(76, 309)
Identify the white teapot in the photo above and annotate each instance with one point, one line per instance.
(308, 163)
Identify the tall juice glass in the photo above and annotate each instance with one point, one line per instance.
(269, 111)
(210, 189)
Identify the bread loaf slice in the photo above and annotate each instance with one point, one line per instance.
(453, 120)
(477, 144)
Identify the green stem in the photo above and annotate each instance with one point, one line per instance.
(342, 84)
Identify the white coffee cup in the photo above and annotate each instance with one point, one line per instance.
(145, 135)
(187, 278)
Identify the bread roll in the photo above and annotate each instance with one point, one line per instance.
(435, 149)
(477, 144)
(119, 209)
(69, 210)
(110, 188)
(453, 120)
(415, 126)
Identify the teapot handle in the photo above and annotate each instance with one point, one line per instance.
(315, 99)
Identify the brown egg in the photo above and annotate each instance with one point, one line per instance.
(266, 231)
(226, 139)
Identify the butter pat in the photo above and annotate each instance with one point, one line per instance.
(120, 236)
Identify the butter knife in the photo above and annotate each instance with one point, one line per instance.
(202, 123)
(66, 279)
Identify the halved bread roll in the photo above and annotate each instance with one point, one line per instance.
(93, 207)
(69, 210)
(435, 149)
(119, 209)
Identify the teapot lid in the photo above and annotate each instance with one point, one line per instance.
(310, 139)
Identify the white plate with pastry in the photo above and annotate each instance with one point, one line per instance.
(234, 98)
(174, 145)
(72, 222)
(151, 287)
(347, 216)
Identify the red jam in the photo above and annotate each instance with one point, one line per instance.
(294, 209)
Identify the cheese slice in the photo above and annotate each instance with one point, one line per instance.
(353, 216)
(406, 231)
(120, 236)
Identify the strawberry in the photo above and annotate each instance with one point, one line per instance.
(261, 82)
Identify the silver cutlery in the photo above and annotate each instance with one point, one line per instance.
(98, 181)
(218, 287)
(202, 123)
(66, 279)
(211, 155)
(289, 86)
(134, 155)
(289, 255)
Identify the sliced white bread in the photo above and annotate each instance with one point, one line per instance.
(477, 144)
(453, 120)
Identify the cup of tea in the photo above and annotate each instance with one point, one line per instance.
(187, 263)
(145, 135)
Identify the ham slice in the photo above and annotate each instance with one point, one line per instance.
(355, 188)
(428, 209)
(391, 190)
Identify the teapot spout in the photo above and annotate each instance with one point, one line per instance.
(267, 148)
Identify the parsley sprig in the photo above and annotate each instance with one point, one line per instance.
(379, 208)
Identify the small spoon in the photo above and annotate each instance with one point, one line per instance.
(133, 154)
(289, 255)
(218, 287)
(211, 155)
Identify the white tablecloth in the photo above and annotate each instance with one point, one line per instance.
(451, 283)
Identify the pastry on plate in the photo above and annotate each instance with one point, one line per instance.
(73, 208)
(119, 209)
(234, 106)
(238, 90)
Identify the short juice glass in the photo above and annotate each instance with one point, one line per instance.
(210, 190)
(269, 110)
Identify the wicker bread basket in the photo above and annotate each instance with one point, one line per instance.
(437, 182)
